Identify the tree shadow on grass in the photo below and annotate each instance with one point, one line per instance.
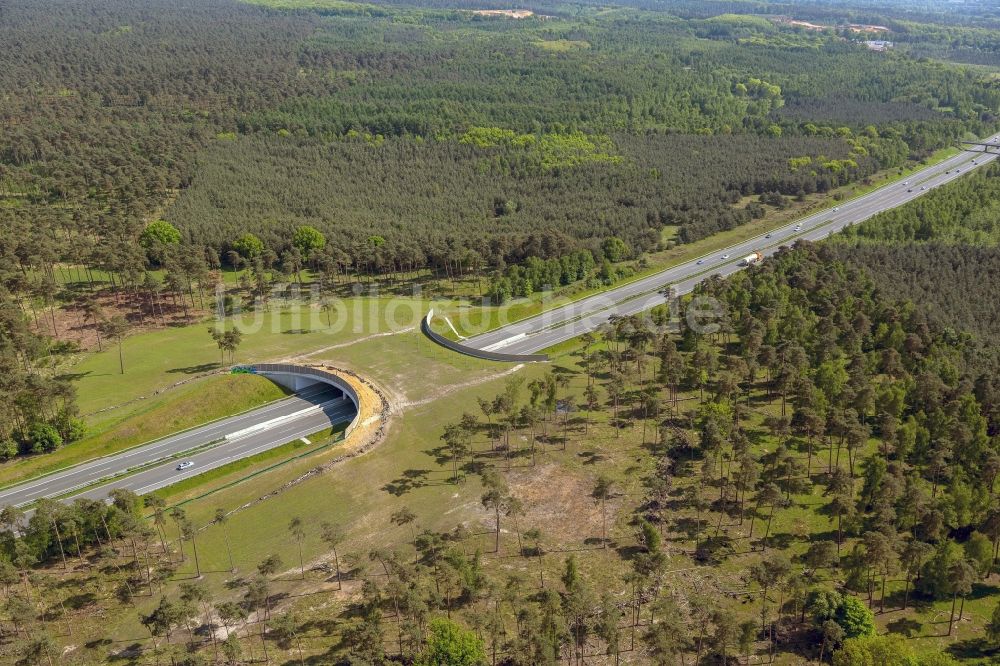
(206, 629)
(410, 480)
(78, 601)
(440, 454)
(334, 655)
(917, 601)
(277, 597)
(591, 457)
(129, 653)
(689, 526)
(981, 591)
(781, 540)
(73, 376)
(905, 626)
(970, 648)
(235, 583)
(195, 369)
(325, 626)
(657, 449)
(714, 550)
(629, 553)
(562, 370)
(757, 437)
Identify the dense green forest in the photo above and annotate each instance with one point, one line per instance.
(956, 285)
(546, 137)
(827, 457)
(496, 199)
(116, 102)
(942, 252)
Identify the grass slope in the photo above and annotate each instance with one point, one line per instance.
(158, 359)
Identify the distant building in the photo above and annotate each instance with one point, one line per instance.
(878, 44)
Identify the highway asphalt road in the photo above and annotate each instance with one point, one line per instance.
(549, 328)
(311, 410)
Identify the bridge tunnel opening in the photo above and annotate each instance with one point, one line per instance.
(309, 388)
(315, 385)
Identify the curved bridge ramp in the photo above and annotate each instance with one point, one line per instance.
(487, 355)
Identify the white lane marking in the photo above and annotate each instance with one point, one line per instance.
(267, 425)
(457, 334)
(505, 342)
(207, 467)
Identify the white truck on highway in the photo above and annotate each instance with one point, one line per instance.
(752, 259)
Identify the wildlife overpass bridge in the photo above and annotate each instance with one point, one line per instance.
(980, 146)
(301, 377)
(322, 399)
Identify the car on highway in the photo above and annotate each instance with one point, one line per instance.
(798, 228)
(700, 262)
(725, 256)
(906, 182)
(835, 209)
(974, 162)
(187, 464)
(767, 235)
(947, 172)
(910, 190)
(922, 188)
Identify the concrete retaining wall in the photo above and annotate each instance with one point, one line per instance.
(425, 326)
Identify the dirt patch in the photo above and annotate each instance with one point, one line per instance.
(72, 322)
(559, 502)
(506, 13)
(854, 27)
(801, 24)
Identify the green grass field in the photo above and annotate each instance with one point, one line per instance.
(155, 360)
